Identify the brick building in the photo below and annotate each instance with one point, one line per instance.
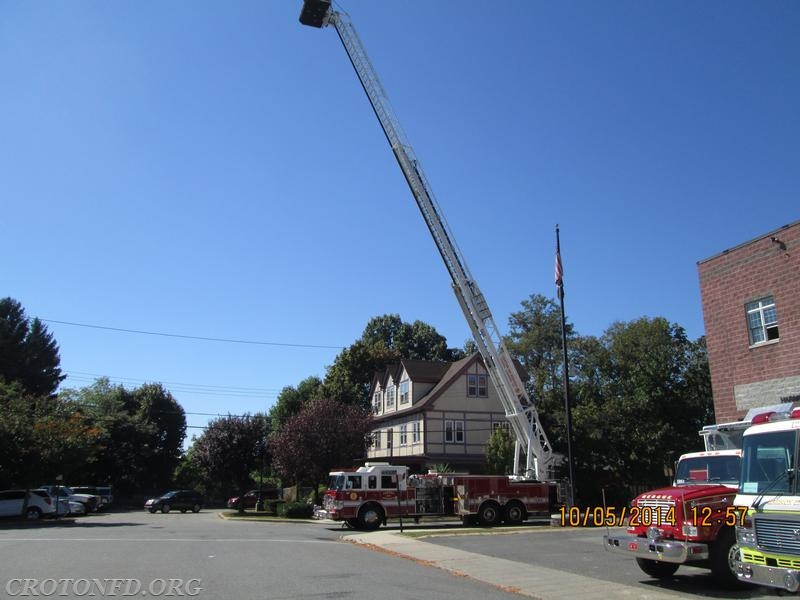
(751, 308)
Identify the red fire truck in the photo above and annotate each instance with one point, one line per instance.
(368, 496)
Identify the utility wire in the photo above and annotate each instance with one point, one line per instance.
(191, 337)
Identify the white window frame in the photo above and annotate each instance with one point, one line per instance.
(376, 440)
(504, 425)
(404, 434)
(405, 391)
(376, 403)
(477, 385)
(415, 432)
(390, 396)
(454, 431)
(762, 321)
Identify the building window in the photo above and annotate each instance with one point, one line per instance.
(476, 385)
(403, 434)
(389, 438)
(405, 396)
(454, 431)
(415, 432)
(376, 403)
(762, 320)
(504, 425)
(390, 397)
(377, 440)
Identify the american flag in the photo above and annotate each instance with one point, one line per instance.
(559, 270)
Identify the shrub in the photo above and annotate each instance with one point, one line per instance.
(296, 510)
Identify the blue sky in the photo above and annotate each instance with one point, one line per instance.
(214, 169)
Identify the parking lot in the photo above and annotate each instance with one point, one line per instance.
(216, 558)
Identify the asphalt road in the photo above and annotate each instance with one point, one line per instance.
(580, 551)
(213, 559)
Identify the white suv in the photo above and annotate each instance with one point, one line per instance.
(39, 504)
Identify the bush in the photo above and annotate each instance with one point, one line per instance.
(296, 510)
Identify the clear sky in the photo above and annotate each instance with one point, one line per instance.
(213, 169)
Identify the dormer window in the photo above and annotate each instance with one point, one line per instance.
(390, 397)
(405, 389)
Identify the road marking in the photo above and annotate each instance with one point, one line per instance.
(150, 540)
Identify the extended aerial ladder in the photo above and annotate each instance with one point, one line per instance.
(520, 411)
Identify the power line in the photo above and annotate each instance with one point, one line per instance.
(187, 388)
(191, 337)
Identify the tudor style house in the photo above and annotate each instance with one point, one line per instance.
(429, 413)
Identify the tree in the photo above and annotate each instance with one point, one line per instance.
(500, 452)
(324, 435)
(385, 340)
(291, 400)
(141, 434)
(643, 394)
(164, 420)
(228, 451)
(41, 438)
(28, 351)
(534, 340)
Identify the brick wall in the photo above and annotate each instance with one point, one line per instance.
(743, 376)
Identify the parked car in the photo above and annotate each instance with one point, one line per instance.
(182, 500)
(103, 494)
(39, 504)
(249, 499)
(65, 508)
(62, 493)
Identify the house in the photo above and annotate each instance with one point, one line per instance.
(751, 308)
(428, 413)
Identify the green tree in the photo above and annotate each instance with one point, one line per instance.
(534, 340)
(292, 399)
(500, 452)
(325, 434)
(385, 340)
(228, 451)
(164, 421)
(41, 437)
(643, 393)
(141, 434)
(28, 352)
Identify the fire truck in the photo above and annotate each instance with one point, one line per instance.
(769, 535)
(694, 521)
(370, 495)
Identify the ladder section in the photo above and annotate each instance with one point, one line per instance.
(519, 410)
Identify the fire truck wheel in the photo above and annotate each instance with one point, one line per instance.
(489, 514)
(656, 568)
(370, 516)
(724, 553)
(514, 513)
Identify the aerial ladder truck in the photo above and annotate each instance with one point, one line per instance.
(519, 410)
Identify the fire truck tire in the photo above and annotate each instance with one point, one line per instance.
(370, 517)
(489, 514)
(723, 554)
(514, 513)
(656, 568)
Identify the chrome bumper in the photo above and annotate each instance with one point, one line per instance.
(778, 577)
(671, 551)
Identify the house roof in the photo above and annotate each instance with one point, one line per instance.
(449, 373)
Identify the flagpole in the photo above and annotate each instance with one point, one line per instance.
(568, 408)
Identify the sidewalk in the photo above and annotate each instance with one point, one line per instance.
(527, 580)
